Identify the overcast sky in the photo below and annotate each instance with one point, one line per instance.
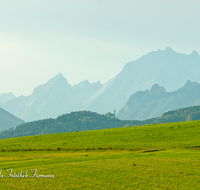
(87, 39)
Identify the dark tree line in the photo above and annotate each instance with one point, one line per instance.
(86, 120)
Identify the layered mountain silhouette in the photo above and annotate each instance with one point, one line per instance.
(54, 98)
(7, 120)
(167, 68)
(4, 97)
(164, 67)
(154, 102)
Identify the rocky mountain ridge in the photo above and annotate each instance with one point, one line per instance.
(5, 97)
(54, 98)
(164, 67)
(156, 101)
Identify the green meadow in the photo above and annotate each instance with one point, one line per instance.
(160, 156)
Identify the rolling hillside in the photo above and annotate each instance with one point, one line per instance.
(179, 135)
(75, 121)
(184, 114)
(86, 120)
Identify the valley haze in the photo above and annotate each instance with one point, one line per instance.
(100, 94)
(166, 68)
(90, 39)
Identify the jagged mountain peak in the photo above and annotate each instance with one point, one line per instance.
(51, 99)
(169, 49)
(194, 53)
(58, 77)
(190, 85)
(86, 84)
(153, 103)
(98, 82)
(4, 97)
(152, 59)
(57, 82)
(157, 89)
(166, 67)
(82, 84)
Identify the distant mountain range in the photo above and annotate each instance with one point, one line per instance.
(154, 102)
(8, 120)
(54, 98)
(164, 67)
(5, 97)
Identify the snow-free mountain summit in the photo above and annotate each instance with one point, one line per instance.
(166, 68)
(54, 98)
(156, 101)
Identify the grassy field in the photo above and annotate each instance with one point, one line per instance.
(162, 156)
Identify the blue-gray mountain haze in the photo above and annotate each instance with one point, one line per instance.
(5, 97)
(164, 67)
(156, 101)
(7, 120)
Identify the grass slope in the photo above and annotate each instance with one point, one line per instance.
(160, 156)
(172, 135)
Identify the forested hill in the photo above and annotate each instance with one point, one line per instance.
(183, 114)
(86, 120)
(74, 121)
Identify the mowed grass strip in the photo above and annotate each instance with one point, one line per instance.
(166, 169)
(158, 136)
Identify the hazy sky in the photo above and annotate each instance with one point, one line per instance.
(87, 39)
